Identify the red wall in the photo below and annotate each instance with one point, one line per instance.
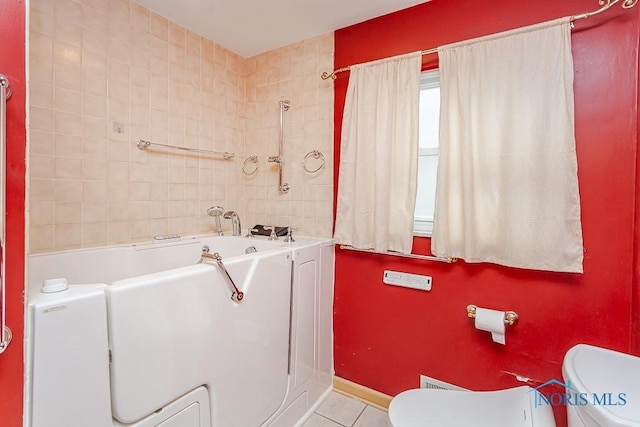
(386, 336)
(635, 339)
(12, 65)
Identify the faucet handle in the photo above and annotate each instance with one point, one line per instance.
(273, 235)
(250, 233)
(289, 238)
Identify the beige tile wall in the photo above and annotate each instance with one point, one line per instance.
(106, 73)
(292, 73)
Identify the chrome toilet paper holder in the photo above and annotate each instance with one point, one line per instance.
(510, 317)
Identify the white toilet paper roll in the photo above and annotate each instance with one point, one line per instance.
(491, 321)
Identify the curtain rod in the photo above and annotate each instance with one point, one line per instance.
(606, 4)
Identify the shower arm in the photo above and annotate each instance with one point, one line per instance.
(282, 186)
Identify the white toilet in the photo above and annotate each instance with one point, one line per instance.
(604, 391)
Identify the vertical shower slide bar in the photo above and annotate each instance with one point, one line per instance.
(282, 186)
(5, 92)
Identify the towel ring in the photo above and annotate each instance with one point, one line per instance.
(316, 155)
(254, 160)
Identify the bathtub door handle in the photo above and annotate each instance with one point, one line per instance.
(236, 294)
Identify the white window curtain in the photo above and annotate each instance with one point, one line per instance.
(379, 155)
(507, 186)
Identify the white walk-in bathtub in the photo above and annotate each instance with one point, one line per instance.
(147, 336)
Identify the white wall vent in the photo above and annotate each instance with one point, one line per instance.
(432, 383)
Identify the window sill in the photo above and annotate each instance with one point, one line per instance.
(422, 228)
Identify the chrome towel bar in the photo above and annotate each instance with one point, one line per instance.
(144, 145)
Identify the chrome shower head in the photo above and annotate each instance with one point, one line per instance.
(215, 211)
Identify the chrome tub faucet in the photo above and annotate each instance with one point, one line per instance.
(235, 222)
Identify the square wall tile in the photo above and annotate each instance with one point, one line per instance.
(107, 73)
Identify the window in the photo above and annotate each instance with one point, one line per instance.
(428, 154)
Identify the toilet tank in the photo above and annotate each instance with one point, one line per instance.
(603, 387)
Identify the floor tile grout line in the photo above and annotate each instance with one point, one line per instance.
(330, 419)
(359, 415)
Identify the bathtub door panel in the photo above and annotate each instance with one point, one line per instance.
(173, 331)
(254, 343)
(158, 325)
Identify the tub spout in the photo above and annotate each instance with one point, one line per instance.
(235, 222)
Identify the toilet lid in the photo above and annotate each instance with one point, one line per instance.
(608, 380)
(453, 408)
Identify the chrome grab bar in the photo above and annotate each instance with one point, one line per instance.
(5, 93)
(236, 294)
(282, 186)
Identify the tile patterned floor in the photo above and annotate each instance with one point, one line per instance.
(342, 411)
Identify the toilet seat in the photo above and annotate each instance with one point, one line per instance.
(512, 407)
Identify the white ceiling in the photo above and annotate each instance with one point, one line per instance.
(250, 27)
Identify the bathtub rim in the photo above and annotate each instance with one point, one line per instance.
(187, 239)
(33, 288)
